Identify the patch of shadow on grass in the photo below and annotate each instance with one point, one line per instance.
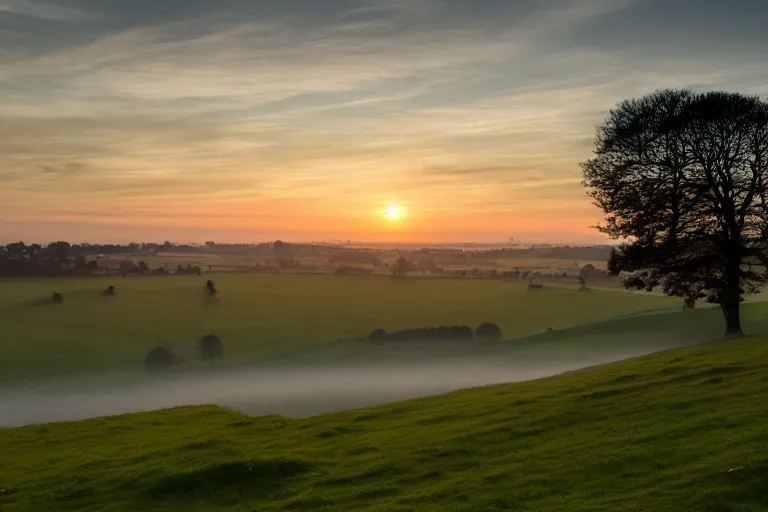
(361, 450)
(431, 454)
(722, 370)
(434, 497)
(421, 477)
(673, 370)
(381, 414)
(241, 423)
(252, 478)
(205, 445)
(624, 378)
(435, 420)
(734, 489)
(376, 493)
(309, 504)
(368, 476)
(334, 432)
(686, 378)
(75, 493)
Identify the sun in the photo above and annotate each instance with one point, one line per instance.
(394, 212)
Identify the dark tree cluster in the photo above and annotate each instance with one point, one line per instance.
(402, 266)
(683, 178)
(209, 348)
(159, 358)
(488, 332)
(189, 270)
(20, 259)
(441, 333)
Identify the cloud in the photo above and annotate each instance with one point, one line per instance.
(446, 106)
(42, 10)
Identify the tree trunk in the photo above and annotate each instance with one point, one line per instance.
(731, 299)
(732, 316)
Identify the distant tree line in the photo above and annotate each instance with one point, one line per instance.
(63, 258)
(20, 259)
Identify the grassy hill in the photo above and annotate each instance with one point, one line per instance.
(263, 316)
(676, 431)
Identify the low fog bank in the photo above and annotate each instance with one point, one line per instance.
(292, 391)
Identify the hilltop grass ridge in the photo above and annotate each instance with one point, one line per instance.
(682, 430)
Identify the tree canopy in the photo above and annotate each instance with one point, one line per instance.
(682, 177)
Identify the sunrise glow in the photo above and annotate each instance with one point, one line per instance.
(290, 119)
(394, 212)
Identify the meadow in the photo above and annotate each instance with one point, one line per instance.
(265, 317)
(676, 431)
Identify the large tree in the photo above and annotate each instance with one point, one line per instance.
(682, 177)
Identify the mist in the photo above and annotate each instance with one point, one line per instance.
(295, 391)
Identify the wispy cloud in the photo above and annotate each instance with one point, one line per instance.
(323, 116)
(43, 10)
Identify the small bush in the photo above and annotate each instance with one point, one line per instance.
(57, 298)
(488, 332)
(210, 288)
(211, 348)
(109, 291)
(378, 335)
(158, 358)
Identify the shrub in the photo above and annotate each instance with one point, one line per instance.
(488, 332)
(378, 335)
(109, 291)
(210, 288)
(158, 358)
(211, 348)
(57, 298)
(462, 332)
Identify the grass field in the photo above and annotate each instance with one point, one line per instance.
(675, 431)
(262, 317)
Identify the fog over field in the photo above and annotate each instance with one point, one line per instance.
(291, 391)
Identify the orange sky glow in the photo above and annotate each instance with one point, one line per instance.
(241, 121)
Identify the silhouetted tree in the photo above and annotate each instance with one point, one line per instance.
(378, 335)
(211, 348)
(685, 177)
(80, 262)
(143, 267)
(401, 267)
(614, 265)
(488, 332)
(585, 273)
(59, 251)
(126, 267)
(158, 358)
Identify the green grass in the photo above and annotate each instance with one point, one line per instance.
(262, 317)
(676, 431)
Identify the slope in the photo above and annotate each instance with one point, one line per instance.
(680, 430)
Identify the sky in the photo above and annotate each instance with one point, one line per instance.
(252, 120)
